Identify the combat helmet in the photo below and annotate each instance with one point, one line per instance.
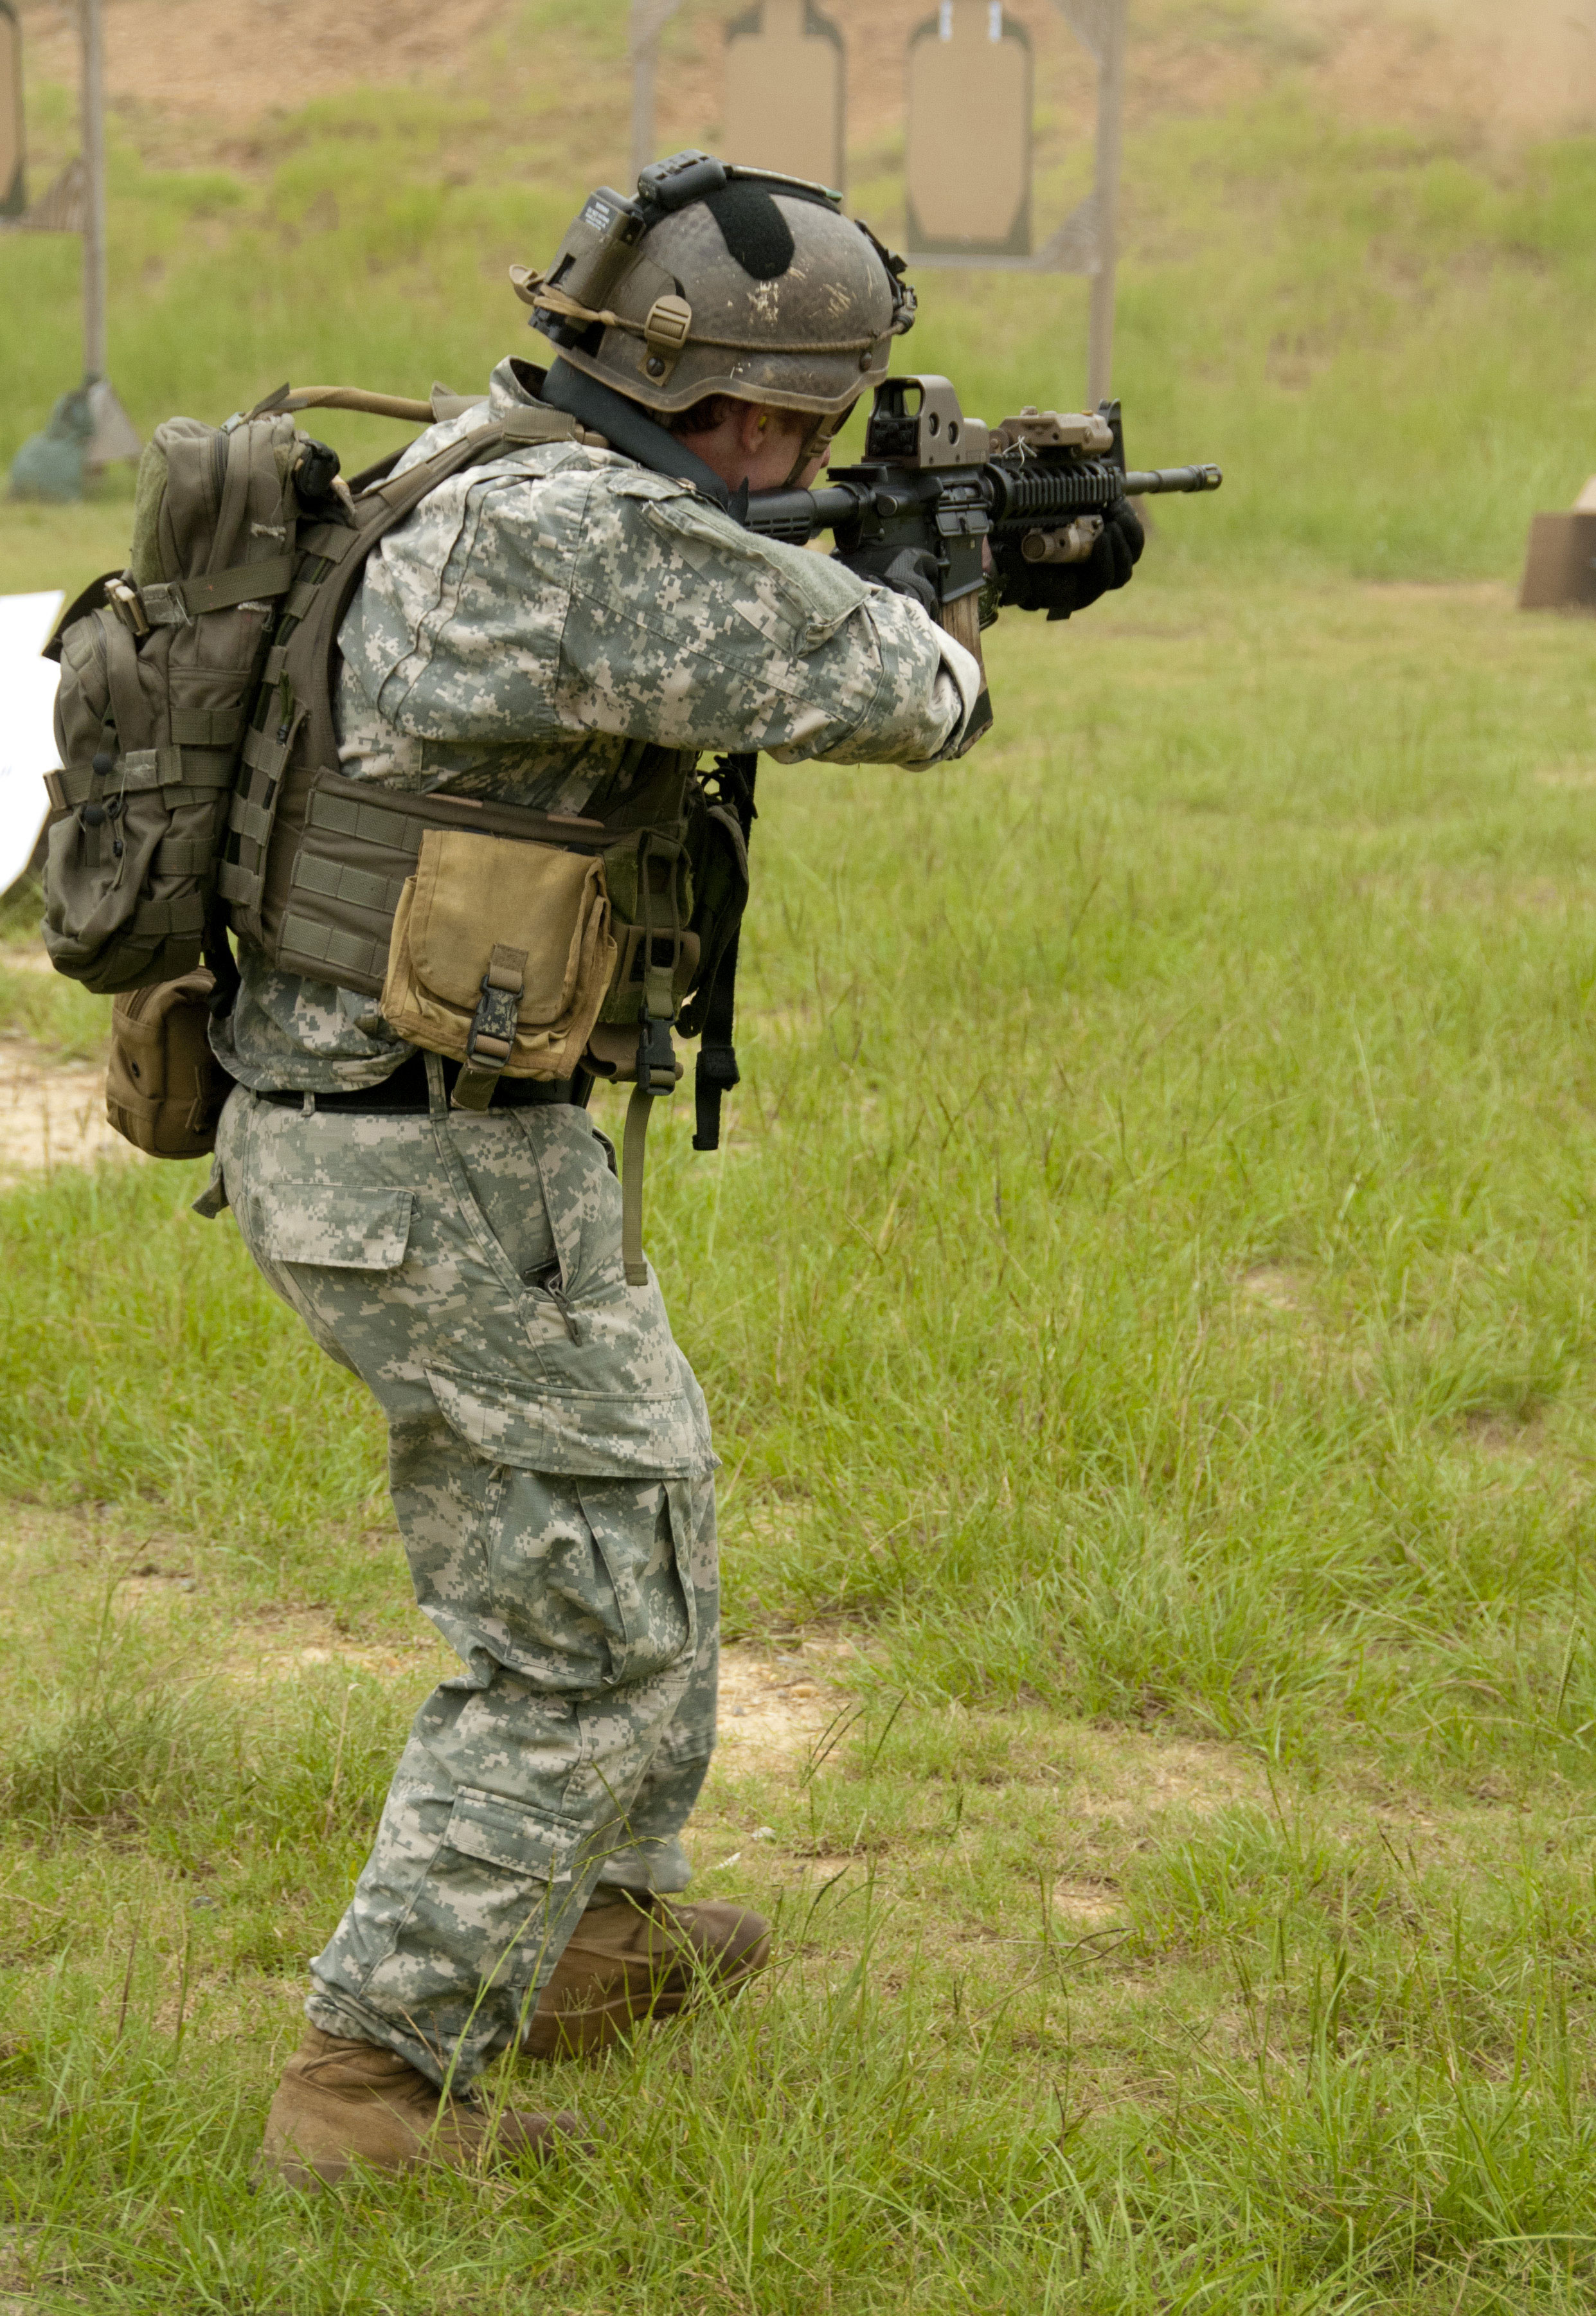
(721, 280)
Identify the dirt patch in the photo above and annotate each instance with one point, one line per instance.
(1512, 66)
(1273, 1287)
(229, 63)
(775, 1706)
(1491, 594)
(1504, 1435)
(1087, 1905)
(215, 69)
(50, 1115)
(1437, 891)
(1505, 67)
(294, 1644)
(1130, 1776)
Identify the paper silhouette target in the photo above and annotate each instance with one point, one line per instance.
(968, 167)
(784, 91)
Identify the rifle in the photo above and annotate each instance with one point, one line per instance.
(935, 481)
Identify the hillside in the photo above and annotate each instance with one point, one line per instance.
(1330, 208)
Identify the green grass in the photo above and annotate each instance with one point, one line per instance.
(1145, 1301)
(1143, 1298)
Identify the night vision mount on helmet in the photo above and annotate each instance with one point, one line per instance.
(721, 280)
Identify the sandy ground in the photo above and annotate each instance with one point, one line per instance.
(231, 63)
(51, 1113)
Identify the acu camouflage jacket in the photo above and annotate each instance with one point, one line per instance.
(536, 614)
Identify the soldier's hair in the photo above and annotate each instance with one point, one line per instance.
(703, 417)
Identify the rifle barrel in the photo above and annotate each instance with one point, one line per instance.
(1038, 493)
(1150, 484)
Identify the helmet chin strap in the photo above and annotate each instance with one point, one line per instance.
(627, 426)
(819, 438)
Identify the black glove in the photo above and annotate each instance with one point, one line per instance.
(1060, 588)
(906, 570)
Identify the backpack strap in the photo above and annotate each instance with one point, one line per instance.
(174, 602)
(711, 1014)
(296, 686)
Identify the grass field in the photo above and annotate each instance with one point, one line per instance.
(1145, 1300)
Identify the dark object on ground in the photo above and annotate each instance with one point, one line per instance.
(50, 466)
(1560, 563)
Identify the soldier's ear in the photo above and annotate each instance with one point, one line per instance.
(751, 425)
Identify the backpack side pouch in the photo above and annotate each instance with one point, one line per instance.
(501, 953)
(157, 674)
(164, 1087)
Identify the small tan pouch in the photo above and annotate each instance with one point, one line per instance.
(500, 958)
(164, 1089)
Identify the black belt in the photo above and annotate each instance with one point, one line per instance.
(406, 1091)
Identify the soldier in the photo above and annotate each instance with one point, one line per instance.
(537, 628)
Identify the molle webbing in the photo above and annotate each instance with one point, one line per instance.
(343, 850)
(293, 712)
(313, 863)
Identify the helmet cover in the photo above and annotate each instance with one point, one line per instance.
(719, 280)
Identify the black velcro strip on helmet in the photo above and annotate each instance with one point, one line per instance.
(752, 229)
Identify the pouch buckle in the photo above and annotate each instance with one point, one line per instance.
(491, 1038)
(656, 1056)
(127, 603)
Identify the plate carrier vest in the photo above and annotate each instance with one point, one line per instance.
(310, 865)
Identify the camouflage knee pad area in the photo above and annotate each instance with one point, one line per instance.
(550, 1463)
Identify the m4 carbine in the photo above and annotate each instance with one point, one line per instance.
(933, 484)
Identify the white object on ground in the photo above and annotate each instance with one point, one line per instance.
(27, 731)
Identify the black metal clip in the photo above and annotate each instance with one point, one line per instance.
(656, 1056)
(491, 1038)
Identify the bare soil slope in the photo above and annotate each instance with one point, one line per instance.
(224, 64)
(215, 69)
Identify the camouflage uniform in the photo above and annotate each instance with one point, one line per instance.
(517, 637)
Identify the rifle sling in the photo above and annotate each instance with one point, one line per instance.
(716, 1070)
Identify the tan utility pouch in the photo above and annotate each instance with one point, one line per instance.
(500, 958)
(164, 1087)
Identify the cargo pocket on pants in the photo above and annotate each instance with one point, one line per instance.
(508, 1834)
(312, 1244)
(495, 1892)
(634, 1535)
(508, 1870)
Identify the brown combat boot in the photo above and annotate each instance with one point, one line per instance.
(641, 1957)
(342, 2102)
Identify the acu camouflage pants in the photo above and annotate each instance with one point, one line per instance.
(550, 1468)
